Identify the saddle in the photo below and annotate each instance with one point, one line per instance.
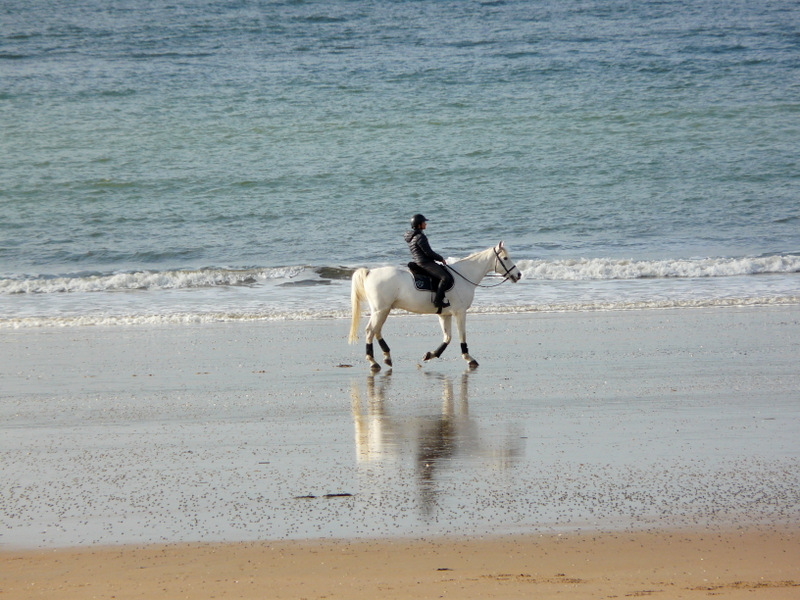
(423, 280)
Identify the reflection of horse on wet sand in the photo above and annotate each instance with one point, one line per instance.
(382, 438)
(392, 287)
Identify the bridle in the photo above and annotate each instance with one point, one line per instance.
(497, 260)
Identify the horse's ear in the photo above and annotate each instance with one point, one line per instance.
(501, 244)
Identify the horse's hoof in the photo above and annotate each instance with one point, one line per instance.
(374, 367)
(388, 362)
(428, 356)
(473, 364)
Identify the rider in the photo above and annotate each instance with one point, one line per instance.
(427, 259)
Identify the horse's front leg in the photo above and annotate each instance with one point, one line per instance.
(461, 325)
(446, 323)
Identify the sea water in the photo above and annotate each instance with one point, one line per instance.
(205, 161)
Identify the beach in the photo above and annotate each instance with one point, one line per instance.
(667, 564)
(616, 453)
(187, 193)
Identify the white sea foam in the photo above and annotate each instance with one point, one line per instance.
(146, 280)
(594, 269)
(609, 269)
(302, 293)
(190, 318)
(178, 318)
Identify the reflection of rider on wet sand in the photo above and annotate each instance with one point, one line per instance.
(439, 438)
(376, 430)
(380, 437)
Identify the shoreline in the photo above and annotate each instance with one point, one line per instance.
(745, 563)
(253, 316)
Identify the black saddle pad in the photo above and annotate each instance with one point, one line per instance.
(422, 280)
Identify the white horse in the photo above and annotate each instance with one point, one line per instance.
(392, 287)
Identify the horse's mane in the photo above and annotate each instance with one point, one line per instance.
(474, 254)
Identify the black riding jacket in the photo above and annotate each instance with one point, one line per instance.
(420, 248)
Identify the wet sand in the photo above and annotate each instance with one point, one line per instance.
(617, 431)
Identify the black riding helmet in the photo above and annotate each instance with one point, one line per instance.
(417, 220)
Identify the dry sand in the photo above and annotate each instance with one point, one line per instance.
(667, 564)
(672, 432)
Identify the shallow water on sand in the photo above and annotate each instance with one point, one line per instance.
(203, 433)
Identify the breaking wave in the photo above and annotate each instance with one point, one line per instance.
(609, 269)
(146, 280)
(323, 292)
(554, 270)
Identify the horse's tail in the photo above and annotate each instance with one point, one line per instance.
(357, 295)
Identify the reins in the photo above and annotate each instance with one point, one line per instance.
(496, 260)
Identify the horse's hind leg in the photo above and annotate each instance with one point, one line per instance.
(373, 331)
(387, 353)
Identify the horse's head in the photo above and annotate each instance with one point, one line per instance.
(504, 265)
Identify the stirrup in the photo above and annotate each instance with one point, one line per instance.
(441, 305)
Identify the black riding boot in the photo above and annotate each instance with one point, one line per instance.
(439, 301)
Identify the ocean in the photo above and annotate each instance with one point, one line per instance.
(201, 161)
